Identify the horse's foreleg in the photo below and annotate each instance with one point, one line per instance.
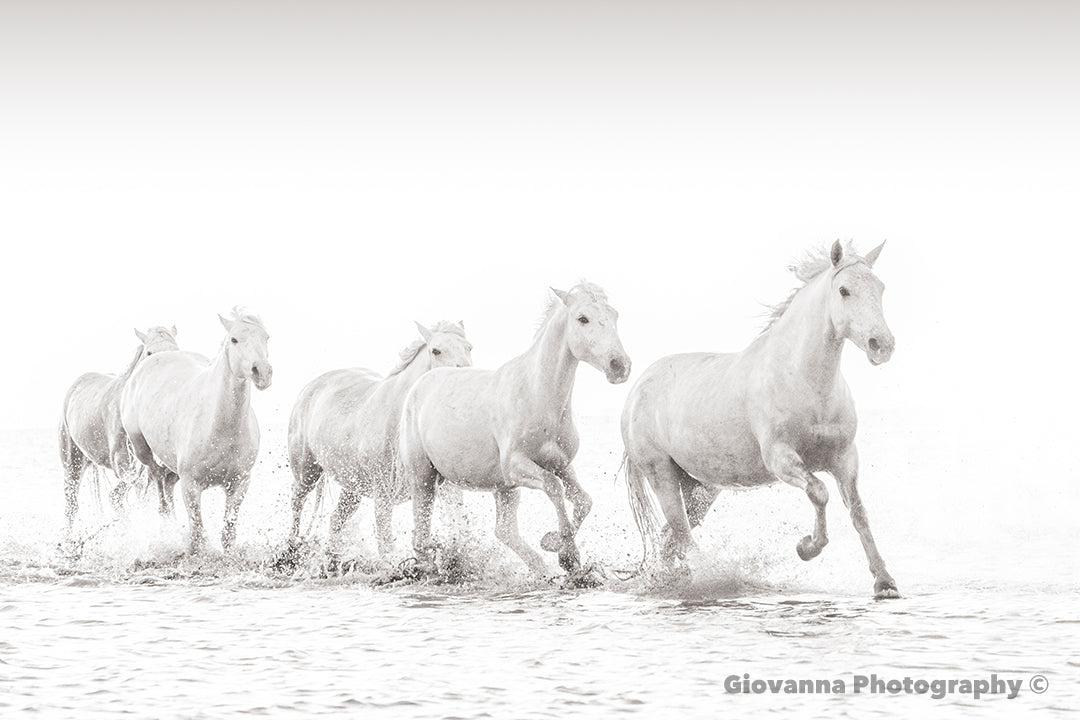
(192, 494)
(234, 495)
(506, 529)
(525, 472)
(847, 480)
(576, 495)
(783, 462)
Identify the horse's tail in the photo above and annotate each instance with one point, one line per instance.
(643, 504)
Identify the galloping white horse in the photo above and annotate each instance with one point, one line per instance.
(501, 430)
(778, 410)
(191, 419)
(90, 428)
(345, 423)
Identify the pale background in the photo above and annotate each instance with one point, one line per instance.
(344, 169)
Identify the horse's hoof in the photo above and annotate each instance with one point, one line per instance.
(806, 549)
(551, 542)
(886, 591)
(583, 579)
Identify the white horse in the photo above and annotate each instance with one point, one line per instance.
(778, 410)
(190, 418)
(501, 430)
(345, 424)
(90, 428)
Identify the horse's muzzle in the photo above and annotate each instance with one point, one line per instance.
(261, 375)
(618, 369)
(880, 349)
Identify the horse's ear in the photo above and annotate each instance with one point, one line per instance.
(424, 332)
(173, 330)
(871, 257)
(837, 253)
(143, 337)
(561, 294)
(461, 324)
(225, 322)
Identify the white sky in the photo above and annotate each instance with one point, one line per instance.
(344, 170)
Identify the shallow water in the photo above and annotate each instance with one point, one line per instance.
(127, 624)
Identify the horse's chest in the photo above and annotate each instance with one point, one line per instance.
(550, 446)
(818, 438)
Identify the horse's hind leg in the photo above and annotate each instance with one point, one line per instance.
(783, 462)
(506, 529)
(847, 477)
(74, 462)
(667, 479)
(698, 498)
(347, 504)
(306, 473)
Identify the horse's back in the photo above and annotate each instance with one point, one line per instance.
(691, 408)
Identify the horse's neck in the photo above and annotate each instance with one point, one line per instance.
(804, 339)
(231, 395)
(407, 376)
(549, 368)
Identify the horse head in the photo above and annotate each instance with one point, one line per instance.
(157, 339)
(446, 344)
(855, 303)
(591, 332)
(245, 348)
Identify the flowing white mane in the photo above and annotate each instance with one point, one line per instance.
(809, 266)
(410, 351)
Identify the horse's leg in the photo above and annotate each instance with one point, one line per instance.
(347, 504)
(666, 478)
(525, 472)
(783, 462)
(421, 476)
(166, 481)
(123, 466)
(847, 479)
(234, 495)
(192, 494)
(74, 462)
(306, 473)
(384, 522)
(576, 495)
(506, 529)
(698, 498)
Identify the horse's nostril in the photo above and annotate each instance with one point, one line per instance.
(254, 369)
(874, 344)
(617, 366)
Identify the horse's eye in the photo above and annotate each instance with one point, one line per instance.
(844, 292)
(436, 351)
(234, 340)
(583, 320)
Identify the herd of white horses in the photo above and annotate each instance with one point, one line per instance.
(692, 423)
